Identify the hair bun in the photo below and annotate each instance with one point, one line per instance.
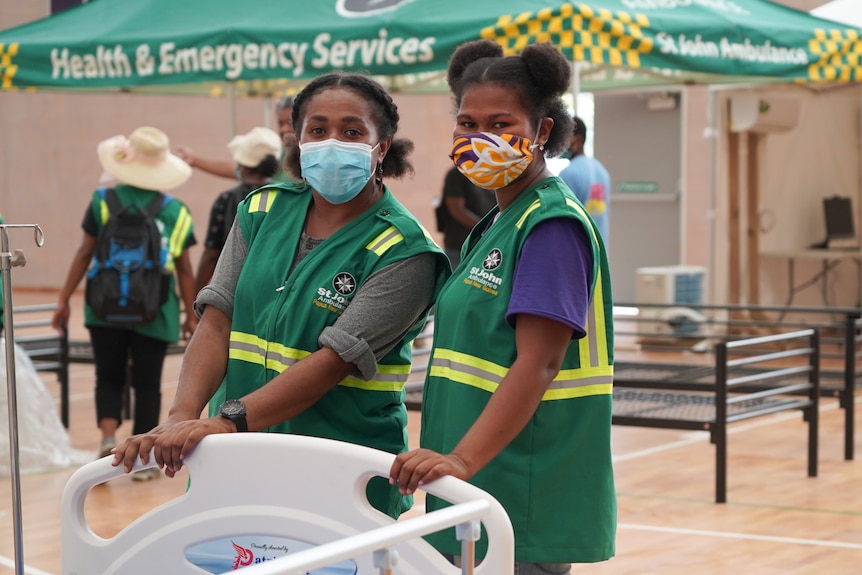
(468, 53)
(548, 67)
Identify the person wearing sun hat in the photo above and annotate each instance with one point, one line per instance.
(251, 149)
(225, 168)
(255, 156)
(142, 166)
(143, 160)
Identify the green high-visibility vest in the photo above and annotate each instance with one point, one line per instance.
(279, 315)
(177, 228)
(555, 479)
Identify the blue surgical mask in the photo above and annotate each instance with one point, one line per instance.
(336, 170)
(237, 171)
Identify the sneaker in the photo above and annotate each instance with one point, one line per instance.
(106, 447)
(146, 474)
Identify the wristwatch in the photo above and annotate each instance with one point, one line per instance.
(234, 410)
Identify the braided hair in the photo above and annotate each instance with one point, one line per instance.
(384, 114)
(539, 76)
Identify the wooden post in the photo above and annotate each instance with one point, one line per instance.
(752, 219)
(733, 249)
(752, 230)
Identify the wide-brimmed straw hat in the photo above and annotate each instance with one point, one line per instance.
(251, 149)
(143, 160)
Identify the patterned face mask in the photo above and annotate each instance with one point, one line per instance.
(491, 161)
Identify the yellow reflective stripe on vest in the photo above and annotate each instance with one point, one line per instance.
(279, 358)
(593, 350)
(104, 212)
(535, 205)
(179, 234)
(253, 349)
(583, 213)
(429, 238)
(486, 375)
(245, 347)
(384, 241)
(176, 242)
(599, 325)
(569, 202)
(261, 201)
(388, 378)
(466, 369)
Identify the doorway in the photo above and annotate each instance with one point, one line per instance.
(638, 139)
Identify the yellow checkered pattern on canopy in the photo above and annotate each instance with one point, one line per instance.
(839, 55)
(582, 33)
(7, 68)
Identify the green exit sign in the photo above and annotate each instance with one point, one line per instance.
(637, 187)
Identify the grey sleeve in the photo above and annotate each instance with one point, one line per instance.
(385, 307)
(222, 287)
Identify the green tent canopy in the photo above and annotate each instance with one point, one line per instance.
(266, 47)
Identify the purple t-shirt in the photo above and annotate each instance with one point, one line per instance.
(554, 274)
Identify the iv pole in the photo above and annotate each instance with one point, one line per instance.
(9, 260)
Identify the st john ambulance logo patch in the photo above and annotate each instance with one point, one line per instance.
(344, 283)
(493, 259)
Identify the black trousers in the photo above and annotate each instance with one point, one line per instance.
(118, 352)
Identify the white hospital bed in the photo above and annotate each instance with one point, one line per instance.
(279, 504)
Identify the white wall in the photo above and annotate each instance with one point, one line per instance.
(48, 165)
(819, 157)
(636, 144)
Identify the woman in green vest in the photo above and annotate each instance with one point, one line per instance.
(321, 286)
(517, 398)
(124, 349)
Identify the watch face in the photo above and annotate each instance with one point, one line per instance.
(232, 407)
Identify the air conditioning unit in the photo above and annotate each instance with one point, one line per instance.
(763, 113)
(681, 288)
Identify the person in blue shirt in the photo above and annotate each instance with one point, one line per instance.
(588, 179)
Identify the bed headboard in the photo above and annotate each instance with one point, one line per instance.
(253, 497)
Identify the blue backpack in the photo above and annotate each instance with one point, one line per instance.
(127, 282)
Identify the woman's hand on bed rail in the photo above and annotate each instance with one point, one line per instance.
(169, 443)
(411, 470)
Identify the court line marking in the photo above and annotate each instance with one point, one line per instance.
(725, 534)
(744, 536)
(632, 526)
(696, 437)
(6, 562)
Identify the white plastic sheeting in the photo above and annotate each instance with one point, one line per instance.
(43, 443)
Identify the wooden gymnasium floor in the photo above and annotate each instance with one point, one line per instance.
(777, 522)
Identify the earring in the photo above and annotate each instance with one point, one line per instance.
(542, 147)
(378, 178)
